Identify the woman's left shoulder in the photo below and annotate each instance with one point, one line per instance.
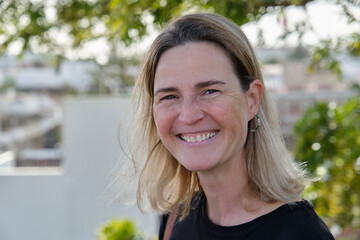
(300, 221)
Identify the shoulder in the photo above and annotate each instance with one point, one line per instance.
(184, 228)
(300, 221)
(163, 220)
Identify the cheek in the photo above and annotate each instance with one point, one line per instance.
(162, 121)
(227, 107)
(231, 114)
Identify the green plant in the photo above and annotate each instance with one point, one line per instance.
(118, 229)
(328, 140)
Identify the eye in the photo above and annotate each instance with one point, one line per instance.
(168, 97)
(210, 91)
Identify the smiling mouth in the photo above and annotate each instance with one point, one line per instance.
(191, 138)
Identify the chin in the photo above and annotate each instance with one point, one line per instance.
(197, 166)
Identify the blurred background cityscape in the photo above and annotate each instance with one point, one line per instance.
(66, 74)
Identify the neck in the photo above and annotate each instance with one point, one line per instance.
(229, 199)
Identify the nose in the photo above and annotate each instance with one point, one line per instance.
(190, 112)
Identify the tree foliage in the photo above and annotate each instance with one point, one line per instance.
(121, 20)
(56, 26)
(328, 140)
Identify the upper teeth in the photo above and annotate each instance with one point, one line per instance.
(198, 137)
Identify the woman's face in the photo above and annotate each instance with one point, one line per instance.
(200, 110)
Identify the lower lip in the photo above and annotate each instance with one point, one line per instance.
(199, 143)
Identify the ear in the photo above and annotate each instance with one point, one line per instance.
(254, 94)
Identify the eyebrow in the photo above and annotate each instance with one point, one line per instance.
(208, 83)
(198, 86)
(167, 89)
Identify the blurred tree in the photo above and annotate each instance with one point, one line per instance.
(57, 26)
(328, 140)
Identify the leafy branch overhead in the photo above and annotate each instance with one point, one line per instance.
(59, 26)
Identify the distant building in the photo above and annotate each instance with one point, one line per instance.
(295, 88)
(36, 73)
(30, 121)
(31, 90)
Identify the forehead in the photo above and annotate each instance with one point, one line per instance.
(195, 61)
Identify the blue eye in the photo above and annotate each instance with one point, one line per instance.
(210, 91)
(169, 97)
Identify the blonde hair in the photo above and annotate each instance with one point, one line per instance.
(273, 175)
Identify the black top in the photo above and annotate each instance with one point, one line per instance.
(289, 222)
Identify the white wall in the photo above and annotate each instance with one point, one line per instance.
(70, 205)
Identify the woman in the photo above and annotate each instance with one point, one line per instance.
(214, 156)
